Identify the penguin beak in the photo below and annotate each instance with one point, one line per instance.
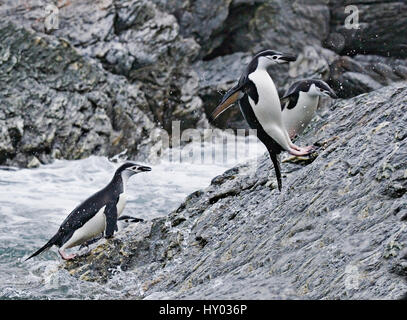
(284, 58)
(144, 168)
(228, 99)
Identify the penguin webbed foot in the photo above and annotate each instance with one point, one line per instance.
(300, 151)
(303, 159)
(66, 256)
(309, 149)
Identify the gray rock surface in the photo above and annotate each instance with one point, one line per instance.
(229, 26)
(363, 73)
(57, 104)
(336, 231)
(130, 38)
(381, 30)
(180, 53)
(104, 76)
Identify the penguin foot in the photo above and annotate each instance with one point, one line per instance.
(309, 149)
(66, 256)
(302, 152)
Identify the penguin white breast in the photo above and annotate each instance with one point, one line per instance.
(121, 204)
(92, 228)
(297, 118)
(268, 108)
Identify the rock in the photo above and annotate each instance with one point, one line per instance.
(63, 105)
(379, 29)
(34, 163)
(216, 77)
(348, 76)
(199, 18)
(130, 38)
(246, 25)
(353, 83)
(334, 232)
(168, 49)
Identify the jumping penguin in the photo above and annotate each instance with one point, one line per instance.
(260, 105)
(300, 102)
(97, 214)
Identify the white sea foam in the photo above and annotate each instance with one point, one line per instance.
(34, 202)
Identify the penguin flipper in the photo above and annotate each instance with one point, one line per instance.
(227, 101)
(290, 98)
(111, 219)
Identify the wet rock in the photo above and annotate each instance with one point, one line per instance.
(334, 232)
(353, 83)
(131, 38)
(216, 77)
(245, 25)
(348, 76)
(377, 30)
(182, 55)
(58, 104)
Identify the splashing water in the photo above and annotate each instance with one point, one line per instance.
(34, 202)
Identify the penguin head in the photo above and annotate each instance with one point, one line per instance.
(131, 168)
(267, 58)
(321, 88)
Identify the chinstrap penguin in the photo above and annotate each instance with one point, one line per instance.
(260, 105)
(300, 102)
(96, 215)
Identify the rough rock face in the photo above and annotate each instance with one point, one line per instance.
(381, 29)
(218, 76)
(348, 76)
(303, 28)
(337, 230)
(130, 38)
(180, 53)
(56, 104)
(229, 26)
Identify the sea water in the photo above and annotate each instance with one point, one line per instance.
(34, 202)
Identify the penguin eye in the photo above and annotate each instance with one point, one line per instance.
(274, 57)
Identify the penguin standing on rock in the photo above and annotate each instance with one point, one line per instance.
(98, 214)
(260, 105)
(300, 103)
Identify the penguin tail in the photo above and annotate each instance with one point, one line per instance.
(277, 168)
(48, 245)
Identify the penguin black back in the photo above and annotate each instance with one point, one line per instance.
(294, 90)
(105, 201)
